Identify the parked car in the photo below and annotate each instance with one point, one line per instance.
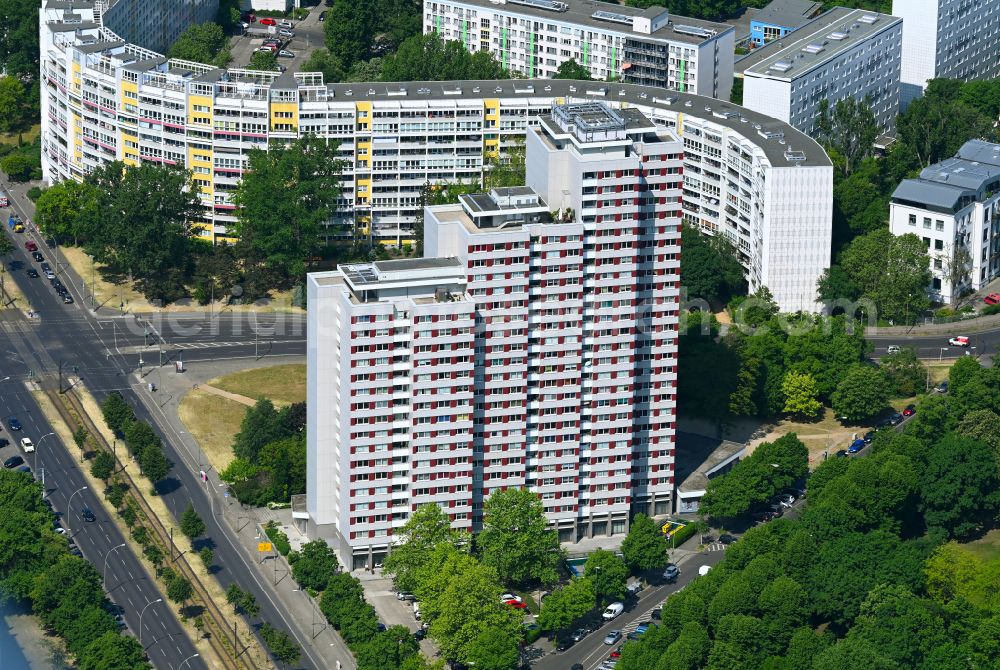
(841, 453)
(88, 515)
(703, 570)
(896, 419)
(786, 499)
(33, 273)
(727, 539)
(992, 299)
(13, 424)
(27, 445)
(633, 589)
(613, 610)
(657, 613)
(959, 341)
(942, 387)
(416, 610)
(285, 23)
(612, 637)
(404, 595)
(419, 634)
(13, 462)
(67, 299)
(510, 596)
(564, 643)
(30, 246)
(322, 16)
(515, 604)
(285, 53)
(856, 446)
(285, 32)
(24, 468)
(910, 410)
(579, 634)
(671, 573)
(268, 21)
(869, 436)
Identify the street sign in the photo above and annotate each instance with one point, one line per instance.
(263, 546)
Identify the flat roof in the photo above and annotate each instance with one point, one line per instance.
(581, 12)
(788, 13)
(698, 456)
(407, 264)
(821, 40)
(944, 185)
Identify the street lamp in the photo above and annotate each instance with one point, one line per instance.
(38, 461)
(158, 600)
(104, 579)
(186, 660)
(69, 505)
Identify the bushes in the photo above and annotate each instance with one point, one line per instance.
(270, 451)
(278, 537)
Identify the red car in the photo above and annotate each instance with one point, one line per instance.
(30, 246)
(515, 604)
(992, 299)
(268, 21)
(617, 653)
(910, 410)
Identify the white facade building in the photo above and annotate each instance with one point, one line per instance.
(615, 42)
(763, 184)
(954, 207)
(525, 351)
(949, 39)
(843, 53)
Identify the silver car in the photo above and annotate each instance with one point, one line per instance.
(612, 637)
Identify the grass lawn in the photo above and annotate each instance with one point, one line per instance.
(213, 421)
(986, 548)
(825, 434)
(111, 294)
(284, 384)
(26, 137)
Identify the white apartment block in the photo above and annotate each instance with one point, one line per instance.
(524, 351)
(615, 42)
(154, 24)
(949, 39)
(954, 207)
(759, 181)
(844, 53)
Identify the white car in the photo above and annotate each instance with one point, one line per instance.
(286, 24)
(507, 597)
(893, 349)
(959, 341)
(285, 53)
(613, 610)
(27, 445)
(703, 570)
(285, 32)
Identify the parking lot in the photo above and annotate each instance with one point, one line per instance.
(308, 36)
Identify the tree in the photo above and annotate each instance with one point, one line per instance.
(18, 166)
(191, 524)
(103, 465)
(468, 606)
(242, 601)
(851, 129)
(322, 60)
(263, 60)
(349, 30)
(608, 573)
(570, 69)
(155, 465)
(388, 650)
(645, 547)
(261, 426)
(516, 539)
(281, 228)
(891, 271)
(962, 372)
(800, 394)
(755, 479)
(754, 310)
(315, 564)
(566, 604)
(429, 58)
(709, 266)
(207, 555)
(939, 122)
(12, 104)
(140, 436)
(493, 650)
(959, 489)
(428, 528)
(904, 372)
(862, 394)
(117, 413)
(282, 645)
(112, 651)
(982, 425)
(202, 43)
(179, 589)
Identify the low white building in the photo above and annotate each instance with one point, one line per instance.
(843, 53)
(950, 39)
(954, 207)
(615, 42)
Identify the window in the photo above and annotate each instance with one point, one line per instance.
(927, 222)
(913, 219)
(938, 225)
(938, 245)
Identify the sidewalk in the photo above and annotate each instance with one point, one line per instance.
(319, 642)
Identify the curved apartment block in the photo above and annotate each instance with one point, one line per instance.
(758, 181)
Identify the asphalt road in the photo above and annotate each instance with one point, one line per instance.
(126, 581)
(591, 650)
(64, 336)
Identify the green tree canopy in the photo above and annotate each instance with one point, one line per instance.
(862, 394)
(758, 478)
(959, 492)
(202, 43)
(428, 528)
(645, 547)
(608, 573)
(516, 540)
(315, 564)
(191, 524)
(280, 228)
(570, 69)
(429, 58)
(800, 394)
(891, 271)
(566, 604)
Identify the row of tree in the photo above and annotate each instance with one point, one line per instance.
(270, 450)
(64, 591)
(862, 578)
(143, 443)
